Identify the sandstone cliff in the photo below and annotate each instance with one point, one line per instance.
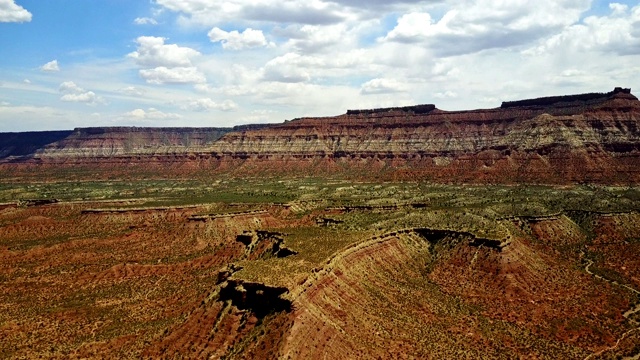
(576, 138)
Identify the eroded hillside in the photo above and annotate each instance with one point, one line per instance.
(315, 268)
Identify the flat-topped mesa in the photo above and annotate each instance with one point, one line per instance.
(415, 109)
(99, 130)
(559, 139)
(580, 99)
(212, 133)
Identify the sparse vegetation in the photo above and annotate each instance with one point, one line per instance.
(142, 277)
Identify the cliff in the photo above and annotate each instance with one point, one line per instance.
(118, 141)
(22, 144)
(562, 139)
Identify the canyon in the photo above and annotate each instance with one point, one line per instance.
(564, 139)
(407, 232)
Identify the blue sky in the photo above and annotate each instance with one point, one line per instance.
(78, 63)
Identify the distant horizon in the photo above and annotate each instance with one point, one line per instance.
(302, 117)
(195, 63)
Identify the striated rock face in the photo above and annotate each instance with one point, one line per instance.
(401, 295)
(562, 139)
(118, 141)
(593, 140)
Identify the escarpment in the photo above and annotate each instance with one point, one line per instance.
(401, 294)
(562, 139)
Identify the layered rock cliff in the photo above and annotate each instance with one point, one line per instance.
(576, 138)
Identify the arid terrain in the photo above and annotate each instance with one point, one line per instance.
(589, 138)
(394, 233)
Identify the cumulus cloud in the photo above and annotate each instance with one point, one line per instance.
(12, 12)
(150, 114)
(413, 27)
(312, 39)
(207, 104)
(381, 3)
(286, 69)
(145, 21)
(211, 13)
(152, 51)
(618, 33)
(235, 40)
(69, 87)
(382, 86)
(341, 54)
(167, 63)
(618, 9)
(300, 12)
(73, 93)
(51, 66)
(472, 26)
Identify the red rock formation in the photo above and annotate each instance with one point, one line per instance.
(565, 139)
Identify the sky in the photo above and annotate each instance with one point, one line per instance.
(204, 63)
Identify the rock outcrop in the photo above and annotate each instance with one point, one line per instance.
(458, 278)
(562, 139)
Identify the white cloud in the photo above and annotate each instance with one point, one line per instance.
(178, 75)
(88, 97)
(285, 69)
(207, 104)
(203, 88)
(382, 86)
(166, 63)
(51, 66)
(617, 33)
(132, 90)
(618, 9)
(313, 38)
(153, 52)
(210, 13)
(322, 57)
(472, 26)
(11, 12)
(235, 40)
(145, 21)
(411, 28)
(150, 114)
(69, 87)
(73, 93)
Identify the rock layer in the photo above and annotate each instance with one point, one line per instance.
(564, 139)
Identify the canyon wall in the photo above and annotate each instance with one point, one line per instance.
(563, 139)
